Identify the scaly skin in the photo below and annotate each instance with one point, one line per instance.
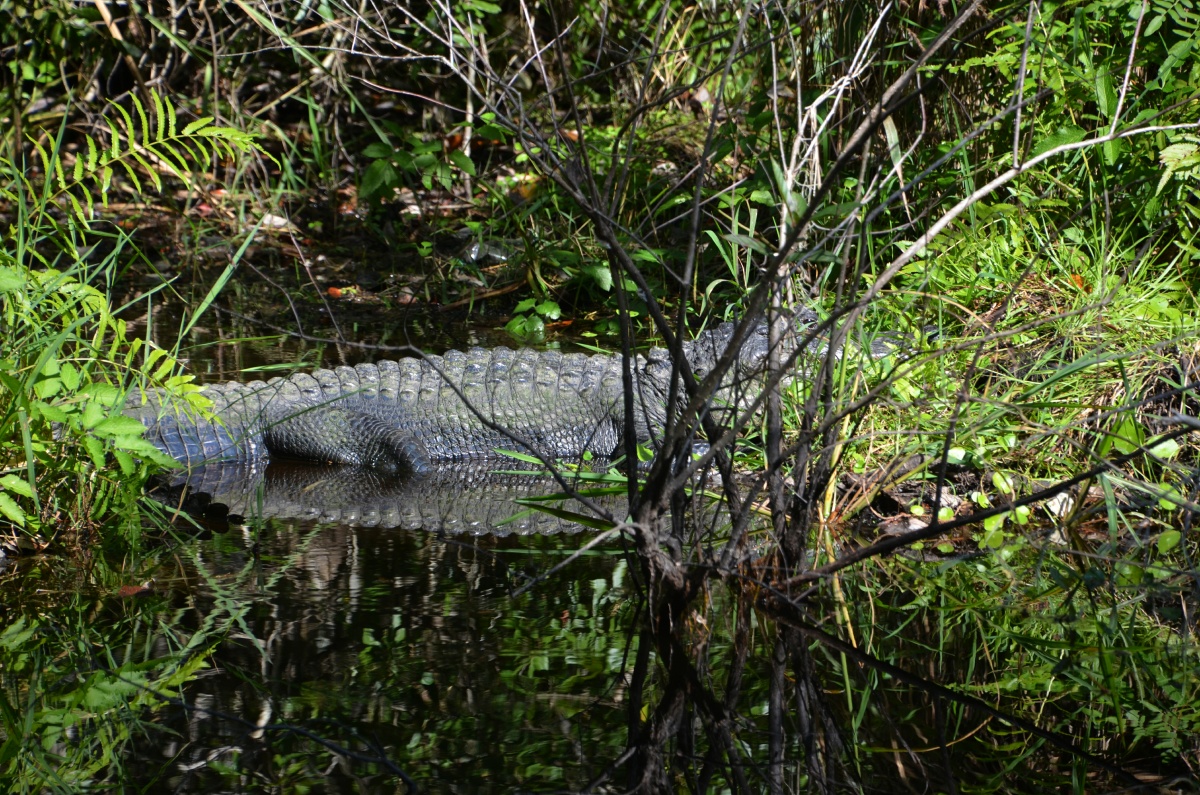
(414, 414)
(455, 499)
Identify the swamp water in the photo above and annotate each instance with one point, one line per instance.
(378, 637)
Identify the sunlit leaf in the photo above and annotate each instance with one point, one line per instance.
(1168, 541)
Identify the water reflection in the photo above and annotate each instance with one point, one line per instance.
(458, 500)
(397, 644)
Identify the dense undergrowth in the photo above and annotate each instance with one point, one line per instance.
(1008, 190)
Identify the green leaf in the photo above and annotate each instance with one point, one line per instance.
(16, 634)
(95, 449)
(49, 411)
(519, 456)
(757, 246)
(11, 280)
(126, 462)
(17, 484)
(93, 413)
(601, 275)
(549, 310)
(1127, 435)
(993, 534)
(525, 305)
(491, 132)
(1166, 449)
(480, 6)
(1106, 95)
(460, 159)
(11, 511)
(1169, 500)
(377, 150)
(104, 394)
(1062, 137)
(47, 387)
(1168, 541)
(1128, 574)
(119, 426)
(946, 548)
(189, 130)
(1003, 483)
(70, 376)
(379, 177)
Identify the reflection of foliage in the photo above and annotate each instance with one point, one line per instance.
(75, 692)
(542, 704)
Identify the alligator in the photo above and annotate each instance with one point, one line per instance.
(414, 415)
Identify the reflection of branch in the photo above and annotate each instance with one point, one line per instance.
(787, 613)
(380, 758)
(574, 556)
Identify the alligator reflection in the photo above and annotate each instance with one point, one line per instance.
(452, 501)
(393, 643)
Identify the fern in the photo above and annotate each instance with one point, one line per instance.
(149, 146)
(64, 356)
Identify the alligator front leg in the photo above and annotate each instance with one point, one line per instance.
(343, 435)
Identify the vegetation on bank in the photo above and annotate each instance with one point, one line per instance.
(1021, 178)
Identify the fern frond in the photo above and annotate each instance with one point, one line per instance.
(47, 168)
(114, 149)
(160, 115)
(137, 184)
(106, 175)
(194, 126)
(79, 213)
(141, 151)
(141, 112)
(130, 130)
(150, 170)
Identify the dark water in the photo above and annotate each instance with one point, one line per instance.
(358, 654)
(354, 635)
(404, 645)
